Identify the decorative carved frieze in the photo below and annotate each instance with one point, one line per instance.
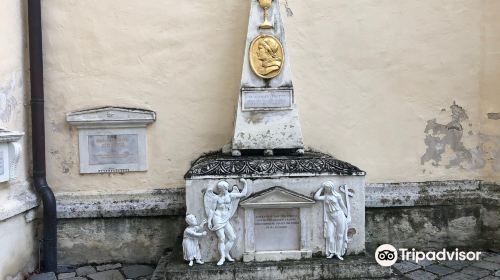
(217, 164)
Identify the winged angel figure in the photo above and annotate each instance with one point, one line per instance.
(220, 208)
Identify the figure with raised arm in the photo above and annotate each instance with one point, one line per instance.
(220, 208)
(336, 219)
(190, 244)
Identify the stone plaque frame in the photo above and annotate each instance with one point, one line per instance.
(277, 198)
(110, 121)
(247, 92)
(85, 158)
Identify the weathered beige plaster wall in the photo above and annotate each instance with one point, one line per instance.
(18, 256)
(490, 89)
(13, 99)
(17, 234)
(370, 78)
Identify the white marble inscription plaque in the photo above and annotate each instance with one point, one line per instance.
(267, 100)
(116, 150)
(277, 229)
(113, 149)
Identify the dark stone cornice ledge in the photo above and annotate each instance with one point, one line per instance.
(311, 163)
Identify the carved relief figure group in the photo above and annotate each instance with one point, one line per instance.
(221, 204)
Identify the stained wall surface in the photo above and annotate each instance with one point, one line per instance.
(406, 90)
(490, 89)
(17, 231)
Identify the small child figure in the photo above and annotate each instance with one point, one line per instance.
(190, 244)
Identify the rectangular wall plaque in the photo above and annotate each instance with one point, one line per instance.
(112, 150)
(272, 99)
(277, 229)
(112, 139)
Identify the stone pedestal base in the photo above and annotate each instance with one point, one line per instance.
(279, 219)
(354, 267)
(276, 255)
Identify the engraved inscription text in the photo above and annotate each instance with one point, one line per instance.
(275, 99)
(276, 229)
(113, 149)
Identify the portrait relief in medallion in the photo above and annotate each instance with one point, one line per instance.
(266, 56)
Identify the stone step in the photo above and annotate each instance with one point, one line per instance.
(353, 267)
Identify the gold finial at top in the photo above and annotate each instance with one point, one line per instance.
(266, 4)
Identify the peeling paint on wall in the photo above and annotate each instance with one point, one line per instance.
(7, 101)
(447, 139)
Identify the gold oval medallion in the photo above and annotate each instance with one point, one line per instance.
(266, 56)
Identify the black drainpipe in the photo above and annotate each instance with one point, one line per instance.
(49, 245)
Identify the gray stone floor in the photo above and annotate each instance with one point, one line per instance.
(487, 268)
(114, 271)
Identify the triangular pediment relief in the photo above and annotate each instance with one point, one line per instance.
(277, 197)
(111, 115)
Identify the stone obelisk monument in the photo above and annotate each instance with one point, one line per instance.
(267, 115)
(265, 198)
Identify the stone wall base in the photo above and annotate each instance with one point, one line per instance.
(433, 215)
(139, 228)
(125, 240)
